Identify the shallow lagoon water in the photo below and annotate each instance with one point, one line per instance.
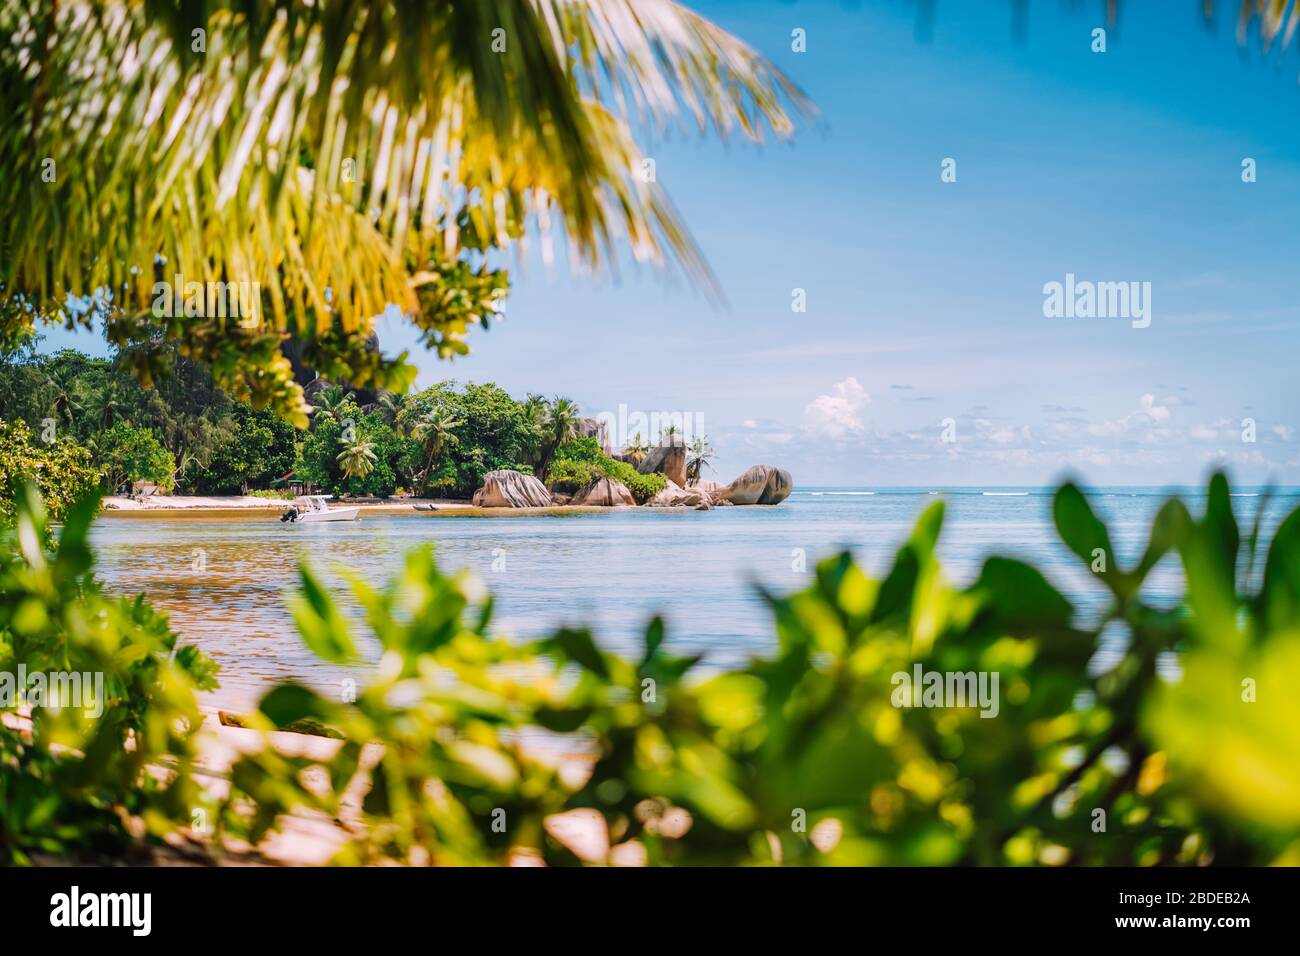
(609, 570)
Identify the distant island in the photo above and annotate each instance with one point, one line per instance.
(73, 421)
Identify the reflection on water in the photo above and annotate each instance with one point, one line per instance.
(223, 578)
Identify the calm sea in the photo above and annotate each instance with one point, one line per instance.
(222, 579)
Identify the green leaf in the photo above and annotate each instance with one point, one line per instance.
(1209, 552)
(1280, 595)
(576, 645)
(323, 628)
(1021, 596)
(1166, 531)
(654, 637)
(289, 703)
(1082, 531)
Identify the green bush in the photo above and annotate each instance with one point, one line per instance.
(61, 470)
(74, 782)
(569, 476)
(809, 756)
(643, 487)
(125, 453)
(584, 448)
(580, 461)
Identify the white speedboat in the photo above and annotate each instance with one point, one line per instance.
(313, 508)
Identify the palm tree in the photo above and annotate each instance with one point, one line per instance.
(66, 403)
(313, 149)
(110, 405)
(559, 425)
(437, 432)
(636, 450)
(330, 400)
(561, 422)
(535, 414)
(390, 406)
(357, 459)
(699, 457)
(670, 435)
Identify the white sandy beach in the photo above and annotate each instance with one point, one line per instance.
(250, 502)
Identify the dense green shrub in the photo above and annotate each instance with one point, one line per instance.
(806, 756)
(61, 470)
(568, 476)
(580, 461)
(810, 755)
(125, 453)
(583, 448)
(643, 487)
(73, 781)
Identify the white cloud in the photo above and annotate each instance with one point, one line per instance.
(1157, 413)
(836, 415)
(1150, 412)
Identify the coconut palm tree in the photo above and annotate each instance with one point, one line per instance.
(329, 402)
(343, 156)
(559, 425)
(390, 406)
(110, 405)
(636, 450)
(357, 459)
(560, 418)
(698, 457)
(561, 422)
(437, 431)
(62, 382)
(535, 413)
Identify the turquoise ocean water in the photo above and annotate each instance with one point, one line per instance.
(223, 579)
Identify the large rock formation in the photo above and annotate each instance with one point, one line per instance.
(669, 460)
(675, 496)
(511, 489)
(760, 485)
(704, 484)
(605, 492)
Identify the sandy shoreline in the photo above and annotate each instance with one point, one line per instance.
(250, 502)
(212, 506)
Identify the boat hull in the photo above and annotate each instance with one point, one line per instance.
(338, 514)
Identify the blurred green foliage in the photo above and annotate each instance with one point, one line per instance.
(802, 757)
(87, 780)
(62, 470)
(465, 747)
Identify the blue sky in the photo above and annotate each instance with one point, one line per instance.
(924, 298)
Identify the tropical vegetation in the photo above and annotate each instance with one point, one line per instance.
(580, 461)
(61, 470)
(339, 159)
(805, 755)
(184, 435)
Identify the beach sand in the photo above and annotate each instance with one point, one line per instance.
(215, 505)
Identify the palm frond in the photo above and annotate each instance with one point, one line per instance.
(345, 156)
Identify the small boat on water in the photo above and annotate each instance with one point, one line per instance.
(313, 508)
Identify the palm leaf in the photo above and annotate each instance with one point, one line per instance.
(345, 155)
